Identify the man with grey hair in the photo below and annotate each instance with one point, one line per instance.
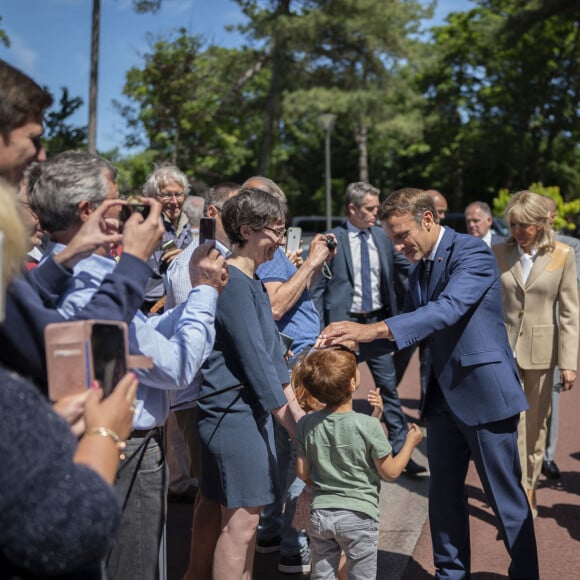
(479, 219)
(67, 191)
(362, 287)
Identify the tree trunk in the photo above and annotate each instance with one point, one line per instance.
(360, 136)
(273, 105)
(94, 80)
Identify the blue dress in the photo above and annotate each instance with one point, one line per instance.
(239, 466)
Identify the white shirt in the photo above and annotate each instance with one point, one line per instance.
(355, 246)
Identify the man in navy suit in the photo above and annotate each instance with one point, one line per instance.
(360, 285)
(474, 396)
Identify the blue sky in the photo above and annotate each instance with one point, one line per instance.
(50, 41)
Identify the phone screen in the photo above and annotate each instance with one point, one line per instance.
(109, 364)
(206, 229)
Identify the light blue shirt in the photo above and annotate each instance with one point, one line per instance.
(301, 322)
(178, 341)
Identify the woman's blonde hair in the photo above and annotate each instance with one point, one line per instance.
(13, 233)
(530, 208)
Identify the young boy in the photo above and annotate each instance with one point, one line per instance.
(343, 455)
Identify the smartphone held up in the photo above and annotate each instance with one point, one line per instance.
(206, 229)
(293, 239)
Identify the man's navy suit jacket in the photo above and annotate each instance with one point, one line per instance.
(333, 297)
(464, 327)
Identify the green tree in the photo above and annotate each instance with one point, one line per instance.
(61, 135)
(4, 37)
(196, 106)
(500, 111)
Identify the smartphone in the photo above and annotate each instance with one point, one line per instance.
(108, 351)
(293, 239)
(168, 245)
(206, 229)
(82, 351)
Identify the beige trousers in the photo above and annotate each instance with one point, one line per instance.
(532, 426)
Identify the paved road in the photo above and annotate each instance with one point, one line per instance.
(404, 540)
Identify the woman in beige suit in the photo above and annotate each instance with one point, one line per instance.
(540, 304)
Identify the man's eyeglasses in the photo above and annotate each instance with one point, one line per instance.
(279, 232)
(167, 195)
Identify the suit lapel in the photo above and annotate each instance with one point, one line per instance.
(343, 242)
(539, 266)
(385, 274)
(509, 261)
(440, 261)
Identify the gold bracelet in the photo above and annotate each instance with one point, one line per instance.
(106, 432)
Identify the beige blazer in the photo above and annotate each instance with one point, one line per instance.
(541, 316)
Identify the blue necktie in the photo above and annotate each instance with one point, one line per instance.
(365, 267)
(424, 280)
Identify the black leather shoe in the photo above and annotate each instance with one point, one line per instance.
(550, 470)
(414, 468)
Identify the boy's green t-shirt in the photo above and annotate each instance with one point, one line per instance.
(340, 448)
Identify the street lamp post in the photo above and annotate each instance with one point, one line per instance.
(327, 121)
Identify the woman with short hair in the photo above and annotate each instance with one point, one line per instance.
(239, 465)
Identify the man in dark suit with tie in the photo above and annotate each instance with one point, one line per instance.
(361, 286)
(473, 397)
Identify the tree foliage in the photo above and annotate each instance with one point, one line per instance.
(61, 135)
(501, 112)
(195, 106)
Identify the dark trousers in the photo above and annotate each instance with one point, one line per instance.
(494, 450)
(142, 487)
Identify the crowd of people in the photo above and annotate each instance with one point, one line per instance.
(249, 361)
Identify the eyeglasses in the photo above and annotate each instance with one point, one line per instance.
(279, 232)
(167, 195)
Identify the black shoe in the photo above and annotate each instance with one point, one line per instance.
(268, 546)
(296, 564)
(550, 470)
(414, 468)
(187, 496)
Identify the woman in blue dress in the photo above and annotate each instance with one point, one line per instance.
(235, 427)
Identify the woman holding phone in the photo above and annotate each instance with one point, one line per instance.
(238, 453)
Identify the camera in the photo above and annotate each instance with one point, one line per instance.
(330, 243)
(134, 204)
